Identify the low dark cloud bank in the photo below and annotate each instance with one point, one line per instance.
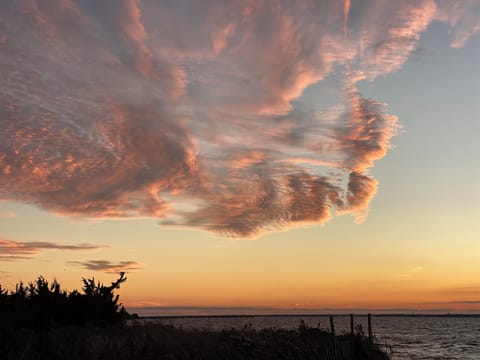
(186, 111)
(107, 266)
(17, 250)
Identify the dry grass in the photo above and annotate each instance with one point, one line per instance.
(157, 341)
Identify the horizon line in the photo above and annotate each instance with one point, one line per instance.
(238, 311)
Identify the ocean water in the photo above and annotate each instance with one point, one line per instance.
(408, 337)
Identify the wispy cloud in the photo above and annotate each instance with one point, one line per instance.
(472, 290)
(7, 214)
(462, 16)
(467, 302)
(108, 266)
(17, 250)
(412, 272)
(189, 112)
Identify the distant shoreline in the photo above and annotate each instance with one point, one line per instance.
(304, 315)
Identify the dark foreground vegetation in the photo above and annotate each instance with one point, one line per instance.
(41, 305)
(41, 321)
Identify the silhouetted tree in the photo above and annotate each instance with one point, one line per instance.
(41, 304)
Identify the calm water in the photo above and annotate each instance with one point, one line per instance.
(411, 338)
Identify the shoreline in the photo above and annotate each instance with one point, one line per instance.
(305, 315)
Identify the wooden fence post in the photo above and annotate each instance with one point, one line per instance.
(332, 326)
(334, 338)
(370, 332)
(352, 326)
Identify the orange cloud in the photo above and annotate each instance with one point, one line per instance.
(361, 190)
(7, 214)
(196, 113)
(365, 132)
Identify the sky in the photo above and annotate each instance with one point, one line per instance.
(244, 156)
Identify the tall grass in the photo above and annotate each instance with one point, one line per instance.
(157, 341)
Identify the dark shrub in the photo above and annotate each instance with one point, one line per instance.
(41, 305)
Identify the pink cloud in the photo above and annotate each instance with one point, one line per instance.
(390, 32)
(197, 113)
(463, 17)
(7, 214)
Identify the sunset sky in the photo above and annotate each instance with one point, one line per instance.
(244, 156)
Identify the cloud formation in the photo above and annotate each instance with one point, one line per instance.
(108, 266)
(193, 113)
(17, 250)
(7, 214)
